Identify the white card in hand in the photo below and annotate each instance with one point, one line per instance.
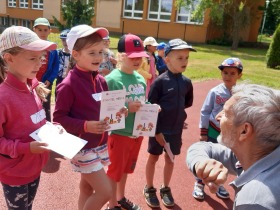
(64, 143)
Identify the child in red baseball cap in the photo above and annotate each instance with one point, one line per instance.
(123, 147)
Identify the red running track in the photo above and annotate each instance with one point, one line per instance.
(58, 188)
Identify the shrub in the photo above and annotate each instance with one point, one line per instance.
(273, 53)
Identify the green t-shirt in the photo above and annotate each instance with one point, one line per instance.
(135, 86)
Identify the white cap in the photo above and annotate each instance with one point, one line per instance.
(150, 41)
(19, 36)
(82, 31)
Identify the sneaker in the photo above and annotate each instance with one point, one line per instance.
(151, 197)
(198, 191)
(166, 196)
(128, 205)
(222, 193)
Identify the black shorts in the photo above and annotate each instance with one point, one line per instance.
(174, 140)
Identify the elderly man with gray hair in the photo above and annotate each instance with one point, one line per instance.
(250, 134)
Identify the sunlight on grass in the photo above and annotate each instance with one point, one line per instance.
(203, 64)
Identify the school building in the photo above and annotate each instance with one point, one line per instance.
(157, 18)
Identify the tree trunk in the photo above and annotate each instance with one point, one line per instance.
(235, 30)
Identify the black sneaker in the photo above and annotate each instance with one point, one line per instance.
(115, 208)
(128, 205)
(166, 196)
(151, 197)
(222, 193)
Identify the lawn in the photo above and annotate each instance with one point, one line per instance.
(203, 63)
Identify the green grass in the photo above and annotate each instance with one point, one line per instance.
(264, 38)
(203, 64)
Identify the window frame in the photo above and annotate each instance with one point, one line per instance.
(132, 11)
(25, 4)
(38, 4)
(159, 13)
(12, 3)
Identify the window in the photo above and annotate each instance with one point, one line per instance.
(12, 3)
(26, 23)
(184, 15)
(23, 3)
(160, 10)
(37, 4)
(13, 21)
(4, 21)
(133, 9)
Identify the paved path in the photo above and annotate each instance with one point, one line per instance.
(58, 189)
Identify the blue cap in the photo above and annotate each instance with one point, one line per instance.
(177, 44)
(161, 46)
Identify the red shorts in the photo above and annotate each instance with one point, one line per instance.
(123, 154)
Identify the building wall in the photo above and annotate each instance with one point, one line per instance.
(51, 8)
(108, 13)
(3, 6)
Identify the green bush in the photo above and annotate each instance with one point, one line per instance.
(273, 53)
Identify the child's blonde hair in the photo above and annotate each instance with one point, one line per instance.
(41, 91)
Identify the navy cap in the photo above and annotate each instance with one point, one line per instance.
(63, 34)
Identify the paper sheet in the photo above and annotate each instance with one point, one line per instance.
(111, 104)
(65, 143)
(146, 120)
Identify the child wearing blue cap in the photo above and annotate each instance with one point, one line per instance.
(160, 63)
(231, 71)
(173, 92)
(64, 57)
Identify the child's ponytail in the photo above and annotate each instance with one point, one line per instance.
(42, 91)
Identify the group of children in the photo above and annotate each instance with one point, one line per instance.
(77, 108)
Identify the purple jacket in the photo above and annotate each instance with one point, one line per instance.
(75, 104)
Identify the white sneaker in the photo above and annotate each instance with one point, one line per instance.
(198, 191)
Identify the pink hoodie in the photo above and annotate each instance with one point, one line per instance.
(19, 116)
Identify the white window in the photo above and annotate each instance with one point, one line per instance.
(23, 3)
(26, 23)
(12, 3)
(37, 4)
(160, 10)
(133, 9)
(184, 15)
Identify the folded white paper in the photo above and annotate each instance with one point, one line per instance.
(63, 143)
(111, 104)
(168, 151)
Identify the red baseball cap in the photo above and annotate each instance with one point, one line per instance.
(131, 45)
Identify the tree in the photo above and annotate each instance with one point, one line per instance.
(272, 16)
(234, 13)
(75, 12)
(273, 53)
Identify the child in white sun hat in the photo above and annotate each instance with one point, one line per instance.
(77, 109)
(21, 96)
